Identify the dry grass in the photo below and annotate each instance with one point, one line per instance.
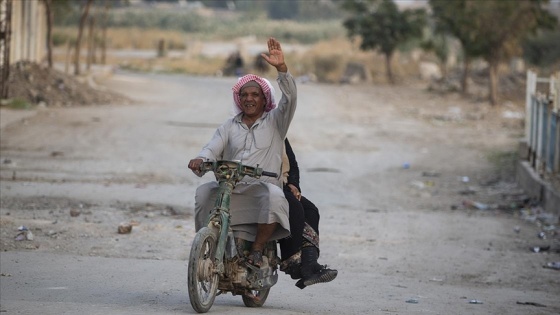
(326, 60)
(131, 38)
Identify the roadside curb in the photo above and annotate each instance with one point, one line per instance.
(536, 187)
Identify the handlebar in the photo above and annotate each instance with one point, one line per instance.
(233, 170)
(269, 174)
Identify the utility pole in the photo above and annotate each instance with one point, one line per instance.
(5, 38)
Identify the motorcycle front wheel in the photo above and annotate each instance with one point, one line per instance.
(202, 275)
(255, 298)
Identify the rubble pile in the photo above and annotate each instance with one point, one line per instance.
(37, 84)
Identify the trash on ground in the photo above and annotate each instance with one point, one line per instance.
(20, 237)
(538, 249)
(475, 205)
(412, 301)
(431, 174)
(468, 191)
(531, 303)
(124, 228)
(418, 184)
(75, 212)
(475, 302)
(24, 234)
(553, 265)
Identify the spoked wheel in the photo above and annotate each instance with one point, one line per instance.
(202, 275)
(255, 298)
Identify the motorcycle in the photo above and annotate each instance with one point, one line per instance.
(218, 259)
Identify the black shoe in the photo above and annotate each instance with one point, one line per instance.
(321, 276)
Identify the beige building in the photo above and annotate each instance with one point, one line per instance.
(28, 30)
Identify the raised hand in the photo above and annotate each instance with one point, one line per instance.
(275, 55)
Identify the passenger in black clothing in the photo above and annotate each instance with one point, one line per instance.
(300, 251)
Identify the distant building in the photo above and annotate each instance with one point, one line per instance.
(27, 30)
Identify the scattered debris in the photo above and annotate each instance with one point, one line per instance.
(539, 249)
(553, 265)
(431, 174)
(169, 211)
(412, 301)
(75, 212)
(468, 191)
(475, 302)
(124, 228)
(531, 303)
(469, 204)
(24, 234)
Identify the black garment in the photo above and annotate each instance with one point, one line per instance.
(301, 211)
(292, 244)
(310, 210)
(300, 251)
(293, 173)
(311, 213)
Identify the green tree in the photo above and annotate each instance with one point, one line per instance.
(492, 29)
(543, 50)
(456, 18)
(382, 26)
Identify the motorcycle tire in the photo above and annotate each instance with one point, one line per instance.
(202, 278)
(258, 298)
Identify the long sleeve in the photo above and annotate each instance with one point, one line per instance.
(293, 174)
(214, 150)
(288, 103)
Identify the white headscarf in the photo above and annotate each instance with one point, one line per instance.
(266, 87)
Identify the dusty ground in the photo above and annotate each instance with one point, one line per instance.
(415, 189)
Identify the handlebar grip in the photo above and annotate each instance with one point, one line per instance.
(269, 174)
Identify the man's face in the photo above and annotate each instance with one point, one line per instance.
(252, 101)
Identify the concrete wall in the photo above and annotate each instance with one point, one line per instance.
(535, 187)
(29, 31)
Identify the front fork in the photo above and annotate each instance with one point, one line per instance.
(222, 240)
(222, 223)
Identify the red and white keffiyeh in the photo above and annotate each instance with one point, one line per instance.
(265, 85)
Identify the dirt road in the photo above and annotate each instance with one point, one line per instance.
(408, 184)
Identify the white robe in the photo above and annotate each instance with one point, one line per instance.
(253, 200)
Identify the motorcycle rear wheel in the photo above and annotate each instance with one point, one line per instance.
(258, 298)
(202, 275)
